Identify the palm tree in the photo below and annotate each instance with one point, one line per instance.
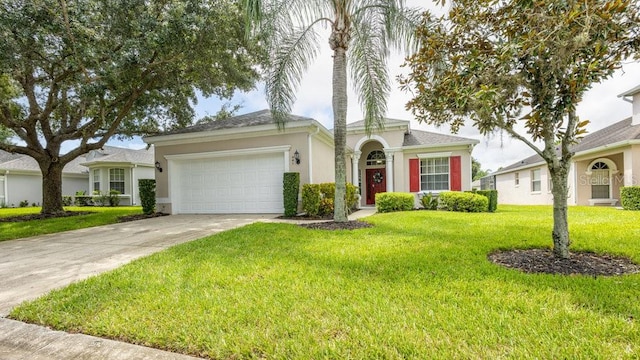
(361, 31)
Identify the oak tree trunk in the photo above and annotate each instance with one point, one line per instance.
(560, 234)
(340, 132)
(51, 187)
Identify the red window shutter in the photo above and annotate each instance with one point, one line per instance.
(414, 175)
(455, 170)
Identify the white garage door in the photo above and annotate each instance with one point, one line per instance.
(228, 185)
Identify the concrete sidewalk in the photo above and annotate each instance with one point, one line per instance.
(32, 267)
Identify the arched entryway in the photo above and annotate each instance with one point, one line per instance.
(600, 173)
(372, 165)
(375, 178)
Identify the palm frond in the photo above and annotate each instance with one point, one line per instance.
(297, 49)
(368, 67)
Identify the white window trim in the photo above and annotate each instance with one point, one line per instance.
(539, 180)
(516, 179)
(420, 172)
(124, 179)
(435, 155)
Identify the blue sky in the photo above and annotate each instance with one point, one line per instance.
(600, 105)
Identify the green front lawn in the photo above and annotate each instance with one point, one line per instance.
(99, 216)
(418, 285)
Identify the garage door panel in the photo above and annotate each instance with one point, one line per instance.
(239, 184)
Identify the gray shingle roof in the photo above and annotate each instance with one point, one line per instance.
(615, 133)
(19, 162)
(262, 117)
(419, 137)
(120, 155)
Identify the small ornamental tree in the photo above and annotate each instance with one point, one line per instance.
(509, 65)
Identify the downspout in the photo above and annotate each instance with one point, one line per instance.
(6, 187)
(310, 152)
(133, 177)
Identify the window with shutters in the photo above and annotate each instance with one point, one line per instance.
(434, 174)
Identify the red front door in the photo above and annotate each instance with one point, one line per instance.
(376, 182)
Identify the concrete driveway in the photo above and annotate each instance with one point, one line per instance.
(32, 267)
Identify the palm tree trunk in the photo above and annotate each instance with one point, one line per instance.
(340, 132)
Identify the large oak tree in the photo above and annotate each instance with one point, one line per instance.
(522, 67)
(84, 71)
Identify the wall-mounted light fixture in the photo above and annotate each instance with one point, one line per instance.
(158, 167)
(296, 157)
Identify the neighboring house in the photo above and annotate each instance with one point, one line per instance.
(103, 170)
(604, 161)
(114, 168)
(236, 165)
(21, 179)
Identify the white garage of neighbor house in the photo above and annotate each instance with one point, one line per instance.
(236, 165)
(99, 170)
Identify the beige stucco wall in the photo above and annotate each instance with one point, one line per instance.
(323, 168)
(393, 137)
(583, 184)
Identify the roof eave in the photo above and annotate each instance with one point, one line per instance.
(608, 147)
(439, 145)
(231, 132)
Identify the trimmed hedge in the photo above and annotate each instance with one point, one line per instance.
(463, 202)
(290, 189)
(630, 197)
(147, 192)
(394, 201)
(317, 199)
(492, 195)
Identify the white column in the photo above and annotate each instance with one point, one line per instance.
(389, 168)
(355, 160)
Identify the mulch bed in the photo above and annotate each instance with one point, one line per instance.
(578, 263)
(29, 217)
(139, 217)
(332, 225)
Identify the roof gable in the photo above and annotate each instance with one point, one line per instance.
(262, 117)
(424, 138)
(112, 154)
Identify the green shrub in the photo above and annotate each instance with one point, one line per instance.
(24, 203)
(82, 199)
(67, 200)
(326, 206)
(147, 192)
(99, 199)
(630, 197)
(429, 202)
(113, 197)
(394, 201)
(463, 202)
(290, 189)
(492, 195)
(311, 199)
(318, 199)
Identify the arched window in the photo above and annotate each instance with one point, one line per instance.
(376, 157)
(600, 180)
